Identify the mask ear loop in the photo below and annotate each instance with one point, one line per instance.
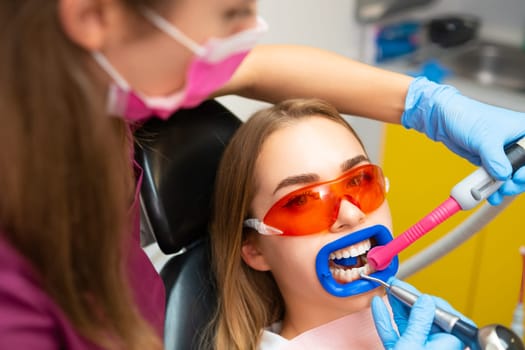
(108, 67)
(114, 104)
(387, 184)
(168, 28)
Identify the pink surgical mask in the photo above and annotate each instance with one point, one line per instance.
(213, 65)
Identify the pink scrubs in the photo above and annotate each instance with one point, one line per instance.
(30, 319)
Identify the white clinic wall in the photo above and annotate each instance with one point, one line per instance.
(326, 24)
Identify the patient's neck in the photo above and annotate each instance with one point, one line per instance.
(300, 316)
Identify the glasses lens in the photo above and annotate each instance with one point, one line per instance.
(364, 187)
(314, 208)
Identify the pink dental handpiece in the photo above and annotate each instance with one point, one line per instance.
(465, 195)
(379, 257)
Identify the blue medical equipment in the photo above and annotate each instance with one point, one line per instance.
(380, 234)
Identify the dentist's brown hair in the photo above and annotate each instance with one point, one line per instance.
(65, 179)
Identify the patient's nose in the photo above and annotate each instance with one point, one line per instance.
(349, 216)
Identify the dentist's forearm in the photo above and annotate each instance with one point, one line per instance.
(275, 72)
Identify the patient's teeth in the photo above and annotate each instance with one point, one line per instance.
(350, 275)
(365, 246)
(363, 269)
(347, 275)
(352, 251)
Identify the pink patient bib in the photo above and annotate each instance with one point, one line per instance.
(353, 332)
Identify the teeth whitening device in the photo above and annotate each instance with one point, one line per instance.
(383, 258)
(464, 196)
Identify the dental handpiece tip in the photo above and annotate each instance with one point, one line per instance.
(374, 279)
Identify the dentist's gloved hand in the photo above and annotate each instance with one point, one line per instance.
(473, 130)
(415, 326)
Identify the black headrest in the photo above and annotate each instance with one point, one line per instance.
(191, 298)
(180, 158)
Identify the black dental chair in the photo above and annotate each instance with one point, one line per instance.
(180, 157)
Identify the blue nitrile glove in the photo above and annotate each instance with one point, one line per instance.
(415, 326)
(473, 130)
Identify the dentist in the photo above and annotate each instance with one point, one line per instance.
(72, 273)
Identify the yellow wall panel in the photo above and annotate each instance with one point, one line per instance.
(479, 278)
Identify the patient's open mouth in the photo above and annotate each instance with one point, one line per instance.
(339, 263)
(347, 263)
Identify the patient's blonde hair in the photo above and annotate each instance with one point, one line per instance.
(249, 300)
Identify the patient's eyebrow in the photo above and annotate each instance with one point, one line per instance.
(352, 162)
(297, 179)
(312, 177)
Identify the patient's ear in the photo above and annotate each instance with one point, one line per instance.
(252, 255)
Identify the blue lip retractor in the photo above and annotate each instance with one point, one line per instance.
(381, 235)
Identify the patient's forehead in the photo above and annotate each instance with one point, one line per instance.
(313, 145)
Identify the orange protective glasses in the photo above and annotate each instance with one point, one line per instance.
(315, 208)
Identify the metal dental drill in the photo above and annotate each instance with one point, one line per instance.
(491, 337)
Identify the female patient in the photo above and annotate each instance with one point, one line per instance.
(294, 180)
